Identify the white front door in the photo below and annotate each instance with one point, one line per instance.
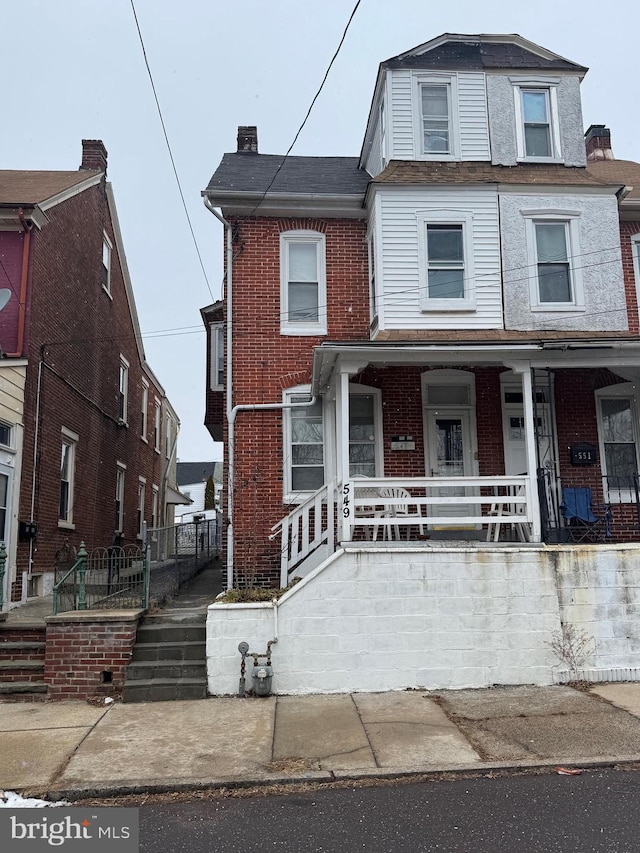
(449, 455)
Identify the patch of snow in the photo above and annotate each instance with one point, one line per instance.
(11, 800)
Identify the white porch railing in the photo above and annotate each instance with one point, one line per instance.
(394, 505)
(306, 528)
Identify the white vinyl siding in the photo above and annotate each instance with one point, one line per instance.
(474, 124)
(470, 128)
(399, 272)
(374, 162)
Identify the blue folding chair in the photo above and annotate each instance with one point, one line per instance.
(581, 521)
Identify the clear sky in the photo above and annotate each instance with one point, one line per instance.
(74, 69)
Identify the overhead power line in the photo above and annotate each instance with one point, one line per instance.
(173, 162)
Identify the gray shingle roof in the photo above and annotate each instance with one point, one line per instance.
(197, 472)
(478, 55)
(247, 172)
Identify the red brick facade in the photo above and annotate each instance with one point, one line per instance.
(76, 334)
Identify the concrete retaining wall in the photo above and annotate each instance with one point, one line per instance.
(383, 619)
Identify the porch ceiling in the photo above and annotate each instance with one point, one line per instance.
(620, 356)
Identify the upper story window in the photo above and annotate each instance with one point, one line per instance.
(436, 109)
(106, 263)
(217, 356)
(553, 245)
(156, 425)
(303, 289)
(537, 123)
(446, 261)
(635, 250)
(123, 390)
(144, 408)
(119, 505)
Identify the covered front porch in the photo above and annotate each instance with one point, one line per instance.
(428, 442)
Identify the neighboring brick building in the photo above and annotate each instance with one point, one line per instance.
(447, 314)
(87, 434)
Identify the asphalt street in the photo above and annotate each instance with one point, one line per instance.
(596, 812)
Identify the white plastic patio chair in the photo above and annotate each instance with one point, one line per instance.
(401, 508)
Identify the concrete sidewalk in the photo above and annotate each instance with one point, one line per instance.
(73, 749)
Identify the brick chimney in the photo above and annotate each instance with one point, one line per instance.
(598, 143)
(248, 139)
(94, 155)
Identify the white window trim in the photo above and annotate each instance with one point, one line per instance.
(107, 242)
(71, 439)
(121, 470)
(451, 80)
(144, 411)
(446, 217)
(624, 391)
(549, 84)
(217, 331)
(142, 490)
(123, 366)
(10, 427)
(155, 493)
(635, 254)
(572, 220)
(318, 327)
(289, 496)
(157, 424)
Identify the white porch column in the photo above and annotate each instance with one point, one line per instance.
(342, 451)
(533, 501)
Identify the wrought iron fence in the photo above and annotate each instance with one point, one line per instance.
(615, 496)
(110, 578)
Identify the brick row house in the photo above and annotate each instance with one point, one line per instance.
(436, 341)
(87, 434)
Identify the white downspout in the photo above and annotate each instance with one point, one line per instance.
(231, 410)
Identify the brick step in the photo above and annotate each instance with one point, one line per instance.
(164, 670)
(21, 670)
(23, 691)
(189, 650)
(22, 651)
(162, 690)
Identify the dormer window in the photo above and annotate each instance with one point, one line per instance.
(537, 124)
(436, 132)
(436, 110)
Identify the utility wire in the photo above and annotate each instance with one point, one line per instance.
(311, 105)
(173, 162)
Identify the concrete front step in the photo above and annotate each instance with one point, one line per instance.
(168, 660)
(165, 670)
(162, 690)
(23, 691)
(170, 632)
(187, 651)
(21, 670)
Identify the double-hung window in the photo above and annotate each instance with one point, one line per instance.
(553, 243)
(144, 409)
(106, 263)
(123, 390)
(435, 101)
(216, 342)
(304, 446)
(365, 449)
(436, 133)
(156, 424)
(67, 477)
(537, 123)
(635, 250)
(303, 291)
(142, 487)
(554, 271)
(120, 472)
(446, 261)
